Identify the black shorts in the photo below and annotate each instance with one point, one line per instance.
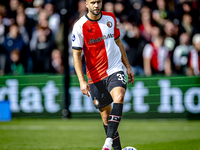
(100, 91)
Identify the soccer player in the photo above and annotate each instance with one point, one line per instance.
(97, 35)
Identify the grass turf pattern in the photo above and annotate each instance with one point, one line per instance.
(88, 134)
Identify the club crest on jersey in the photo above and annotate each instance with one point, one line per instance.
(73, 37)
(96, 102)
(109, 24)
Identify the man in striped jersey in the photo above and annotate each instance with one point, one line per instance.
(194, 56)
(97, 34)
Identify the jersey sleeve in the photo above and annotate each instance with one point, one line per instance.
(147, 52)
(167, 53)
(177, 56)
(77, 37)
(116, 29)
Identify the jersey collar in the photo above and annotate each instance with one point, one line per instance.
(91, 19)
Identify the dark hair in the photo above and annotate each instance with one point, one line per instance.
(14, 24)
(15, 51)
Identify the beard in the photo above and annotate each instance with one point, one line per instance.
(96, 14)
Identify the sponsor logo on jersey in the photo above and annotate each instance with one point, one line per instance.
(73, 38)
(99, 39)
(109, 24)
(90, 30)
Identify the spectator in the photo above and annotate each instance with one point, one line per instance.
(150, 3)
(16, 66)
(53, 17)
(3, 10)
(21, 20)
(156, 58)
(14, 40)
(6, 21)
(120, 10)
(181, 54)
(2, 62)
(145, 9)
(183, 8)
(146, 25)
(3, 57)
(41, 45)
(81, 7)
(3, 30)
(20, 9)
(32, 12)
(42, 20)
(54, 24)
(27, 22)
(162, 13)
(134, 11)
(109, 6)
(134, 51)
(171, 32)
(57, 61)
(194, 57)
(12, 9)
(155, 32)
(78, 12)
(187, 26)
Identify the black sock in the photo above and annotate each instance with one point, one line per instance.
(116, 140)
(105, 128)
(114, 119)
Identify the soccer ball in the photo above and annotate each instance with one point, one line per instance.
(129, 148)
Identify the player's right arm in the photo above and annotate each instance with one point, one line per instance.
(85, 88)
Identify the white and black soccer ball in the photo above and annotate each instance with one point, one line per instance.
(129, 148)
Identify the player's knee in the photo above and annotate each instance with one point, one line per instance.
(119, 98)
(104, 117)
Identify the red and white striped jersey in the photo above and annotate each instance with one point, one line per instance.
(97, 39)
(157, 56)
(194, 61)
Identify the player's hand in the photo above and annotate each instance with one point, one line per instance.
(130, 75)
(85, 88)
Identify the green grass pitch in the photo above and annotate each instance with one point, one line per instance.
(88, 134)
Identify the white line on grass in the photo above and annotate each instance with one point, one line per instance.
(15, 127)
(87, 128)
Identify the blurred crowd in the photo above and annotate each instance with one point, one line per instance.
(159, 36)
(30, 37)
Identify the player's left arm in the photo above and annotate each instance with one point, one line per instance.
(167, 67)
(125, 60)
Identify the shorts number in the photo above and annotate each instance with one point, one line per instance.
(121, 78)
